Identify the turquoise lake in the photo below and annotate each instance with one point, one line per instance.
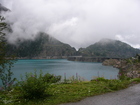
(87, 70)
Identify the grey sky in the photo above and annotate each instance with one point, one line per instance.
(76, 22)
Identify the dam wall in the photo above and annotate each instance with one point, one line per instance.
(90, 59)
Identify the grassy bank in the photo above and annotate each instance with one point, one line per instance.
(58, 93)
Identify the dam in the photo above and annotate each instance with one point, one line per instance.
(90, 59)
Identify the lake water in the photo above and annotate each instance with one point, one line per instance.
(86, 70)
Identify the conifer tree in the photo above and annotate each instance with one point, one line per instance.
(6, 62)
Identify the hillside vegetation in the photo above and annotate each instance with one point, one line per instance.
(42, 46)
(109, 48)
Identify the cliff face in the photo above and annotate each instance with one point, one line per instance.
(42, 46)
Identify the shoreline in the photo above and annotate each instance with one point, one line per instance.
(47, 57)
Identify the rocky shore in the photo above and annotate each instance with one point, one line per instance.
(129, 67)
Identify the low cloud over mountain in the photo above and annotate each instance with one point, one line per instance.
(76, 22)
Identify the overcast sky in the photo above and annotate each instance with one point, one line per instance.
(76, 22)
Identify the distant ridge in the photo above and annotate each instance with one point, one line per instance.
(109, 48)
(45, 46)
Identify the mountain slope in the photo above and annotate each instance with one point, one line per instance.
(109, 48)
(2, 8)
(42, 46)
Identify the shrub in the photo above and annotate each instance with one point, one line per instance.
(118, 84)
(135, 80)
(123, 76)
(35, 86)
(50, 78)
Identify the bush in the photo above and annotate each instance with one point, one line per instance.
(123, 76)
(34, 86)
(50, 78)
(135, 80)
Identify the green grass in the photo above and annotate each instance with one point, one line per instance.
(68, 92)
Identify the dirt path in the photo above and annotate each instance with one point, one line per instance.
(129, 96)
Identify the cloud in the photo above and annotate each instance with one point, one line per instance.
(76, 22)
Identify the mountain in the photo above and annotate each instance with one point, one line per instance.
(109, 48)
(42, 46)
(2, 8)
